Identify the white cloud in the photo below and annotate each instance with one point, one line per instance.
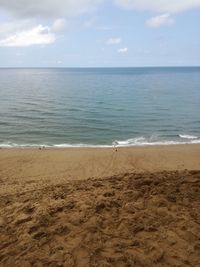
(62, 8)
(48, 8)
(14, 26)
(22, 33)
(164, 6)
(157, 21)
(35, 36)
(113, 41)
(123, 50)
(59, 25)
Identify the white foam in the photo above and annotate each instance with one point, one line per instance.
(14, 145)
(186, 136)
(79, 145)
(138, 141)
(142, 141)
(131, 141)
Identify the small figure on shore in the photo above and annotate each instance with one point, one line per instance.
(115, 143)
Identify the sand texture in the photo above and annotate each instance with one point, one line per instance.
(145, 216)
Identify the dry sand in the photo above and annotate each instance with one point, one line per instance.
(100, 207)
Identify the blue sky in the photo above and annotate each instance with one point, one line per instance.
(99, 33)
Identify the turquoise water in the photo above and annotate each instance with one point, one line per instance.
(89, 107)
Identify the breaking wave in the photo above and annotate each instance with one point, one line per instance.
(137, 141)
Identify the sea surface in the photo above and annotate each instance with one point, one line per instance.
(99, 106)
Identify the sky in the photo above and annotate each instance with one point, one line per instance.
(99, 33)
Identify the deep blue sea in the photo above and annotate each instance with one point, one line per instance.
(99, 106)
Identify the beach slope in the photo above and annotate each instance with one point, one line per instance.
(100, 207)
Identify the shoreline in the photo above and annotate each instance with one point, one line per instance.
(41, 167)
(88, 146)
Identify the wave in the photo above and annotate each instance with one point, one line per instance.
(142, 141)
(138, 141)
(14, 145)
(186, 136)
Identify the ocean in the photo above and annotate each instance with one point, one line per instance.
(99, 107)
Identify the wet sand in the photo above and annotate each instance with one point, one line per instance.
(100, 207)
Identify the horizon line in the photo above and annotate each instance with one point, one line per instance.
(100, 67)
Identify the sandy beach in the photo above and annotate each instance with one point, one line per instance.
(135, 206)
